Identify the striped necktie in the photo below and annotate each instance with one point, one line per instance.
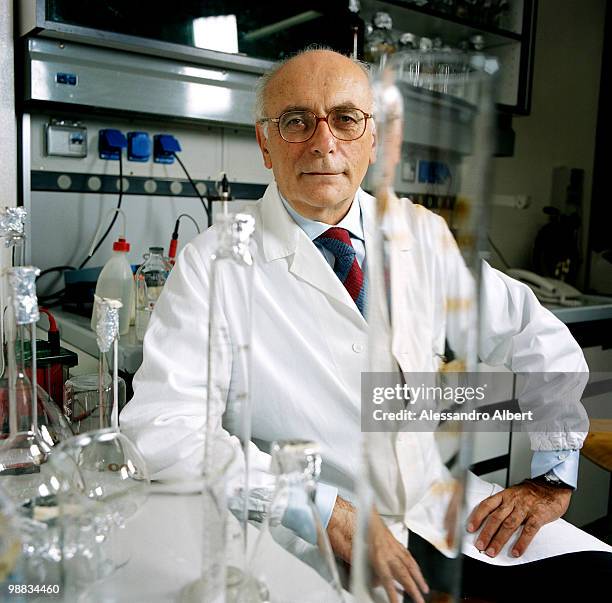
(337, 241)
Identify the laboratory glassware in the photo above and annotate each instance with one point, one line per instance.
(82, 401)
(150, 280)
(215, 487)
(24, 454)
(29, 442)
(297, 464)
(12, 233)
(229, 364)
(415, 471)
(379, 42)
(101, 478)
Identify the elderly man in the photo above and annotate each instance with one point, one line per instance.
(310, 335)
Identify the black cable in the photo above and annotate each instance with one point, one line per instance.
(498, 252)
(195, 188)
(110, 226)
(46, 299)
(192, 220)
(55, 269)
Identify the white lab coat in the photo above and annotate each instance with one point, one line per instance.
(309, 347)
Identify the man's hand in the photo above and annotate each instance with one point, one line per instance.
(530, 504)
(391, 562)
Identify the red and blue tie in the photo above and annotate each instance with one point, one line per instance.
(338, 242)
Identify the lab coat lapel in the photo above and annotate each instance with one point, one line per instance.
(399, 239)
(411, 294)
(282, 237)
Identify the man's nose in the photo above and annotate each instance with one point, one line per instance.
(322, 141)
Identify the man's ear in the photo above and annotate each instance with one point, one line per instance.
(262, 141)
(374, 143)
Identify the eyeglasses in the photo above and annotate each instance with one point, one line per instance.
(300, 126)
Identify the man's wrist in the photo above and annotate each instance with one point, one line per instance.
(341, 528)
(563, 463)
(552, 480)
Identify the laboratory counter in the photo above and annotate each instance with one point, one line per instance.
(590, 323)
(162, 545)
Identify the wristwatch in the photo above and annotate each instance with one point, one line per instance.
(552, 479)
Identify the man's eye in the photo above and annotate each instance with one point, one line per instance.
(346, 119)
(294, 123)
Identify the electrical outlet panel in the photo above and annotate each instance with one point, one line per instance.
(65, 139)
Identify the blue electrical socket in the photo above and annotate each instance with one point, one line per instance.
(139, 146)
(164, 147)
(110, 143)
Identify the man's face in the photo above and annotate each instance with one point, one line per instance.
(318, 177)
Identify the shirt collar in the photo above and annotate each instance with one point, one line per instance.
(313, 229)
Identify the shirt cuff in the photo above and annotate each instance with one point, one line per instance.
(298, 515)
(563, 463)
(325, 501)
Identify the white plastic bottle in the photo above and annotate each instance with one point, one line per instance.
(116, 281)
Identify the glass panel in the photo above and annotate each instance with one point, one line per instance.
(267, 30)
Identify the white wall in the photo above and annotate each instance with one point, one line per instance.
(561, 127)
(206, 151)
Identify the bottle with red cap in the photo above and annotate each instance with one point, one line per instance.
(116, 281)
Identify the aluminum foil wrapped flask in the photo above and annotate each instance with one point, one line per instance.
(27, 445)
(434, 128)
(21, 413)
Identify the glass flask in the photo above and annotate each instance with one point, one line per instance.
(29, 439)
(311, 575)
(25, 452)
(82, 402)
(150, 280)
(101, 480)
(51, 423)
(423, 338)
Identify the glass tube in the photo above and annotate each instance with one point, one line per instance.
(229, 344)
(434, 111)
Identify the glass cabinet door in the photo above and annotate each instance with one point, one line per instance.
(267, 30)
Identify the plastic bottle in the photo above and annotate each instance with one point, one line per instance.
(116, 281)
(150, 280)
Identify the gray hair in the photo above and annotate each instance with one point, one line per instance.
(262, 83)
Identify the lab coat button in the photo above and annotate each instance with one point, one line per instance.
(358, 348)
(562, 457)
